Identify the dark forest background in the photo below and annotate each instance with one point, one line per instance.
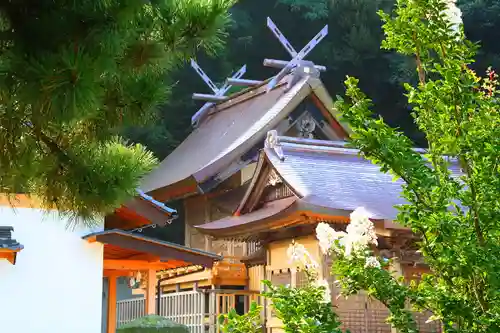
(352, 47)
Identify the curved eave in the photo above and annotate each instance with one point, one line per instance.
(276, 215)
(256, 178)
(140, 211)
(178, 190)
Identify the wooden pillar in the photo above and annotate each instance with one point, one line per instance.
(111, 324)
(293, 277)
(150, 292)
(206, 219)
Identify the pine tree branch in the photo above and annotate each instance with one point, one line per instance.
(49, 143)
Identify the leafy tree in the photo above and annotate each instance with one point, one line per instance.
(72, 73)
(457, 217)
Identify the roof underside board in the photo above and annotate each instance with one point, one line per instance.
(148, 211)
(121, 243)
(271, 217)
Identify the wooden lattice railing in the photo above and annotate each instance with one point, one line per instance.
(197, 309)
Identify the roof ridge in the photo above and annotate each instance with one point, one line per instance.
(287, 140)
(240, 96)
(279, 143)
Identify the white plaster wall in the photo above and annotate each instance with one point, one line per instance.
(56, 284)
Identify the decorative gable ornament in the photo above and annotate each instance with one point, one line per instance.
(272, 142)
(298, 66)
(306, 126)
(274, 178)
(219, 94)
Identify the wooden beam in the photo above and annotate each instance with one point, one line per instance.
(116, 272)
(396, 270)
(111, 324)
(150, 292)
(9, 250)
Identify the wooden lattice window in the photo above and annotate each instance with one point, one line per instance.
(281, 278)
(300, 279)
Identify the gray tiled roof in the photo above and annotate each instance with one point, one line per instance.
(6, 241)
(328, 175)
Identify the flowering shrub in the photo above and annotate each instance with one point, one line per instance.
(306, 309)
(357, 269)
(456, 217)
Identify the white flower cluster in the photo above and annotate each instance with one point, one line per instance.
(372, 262)
(360, 233)
(299, 257)
(453, 14)
(328, 238)
(327, 295)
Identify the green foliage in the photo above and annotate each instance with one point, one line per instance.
(72, 73)
(249, 322)
(456, 217)
(311, 9)
(152, 324)
(379, 284)
(303, 310)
